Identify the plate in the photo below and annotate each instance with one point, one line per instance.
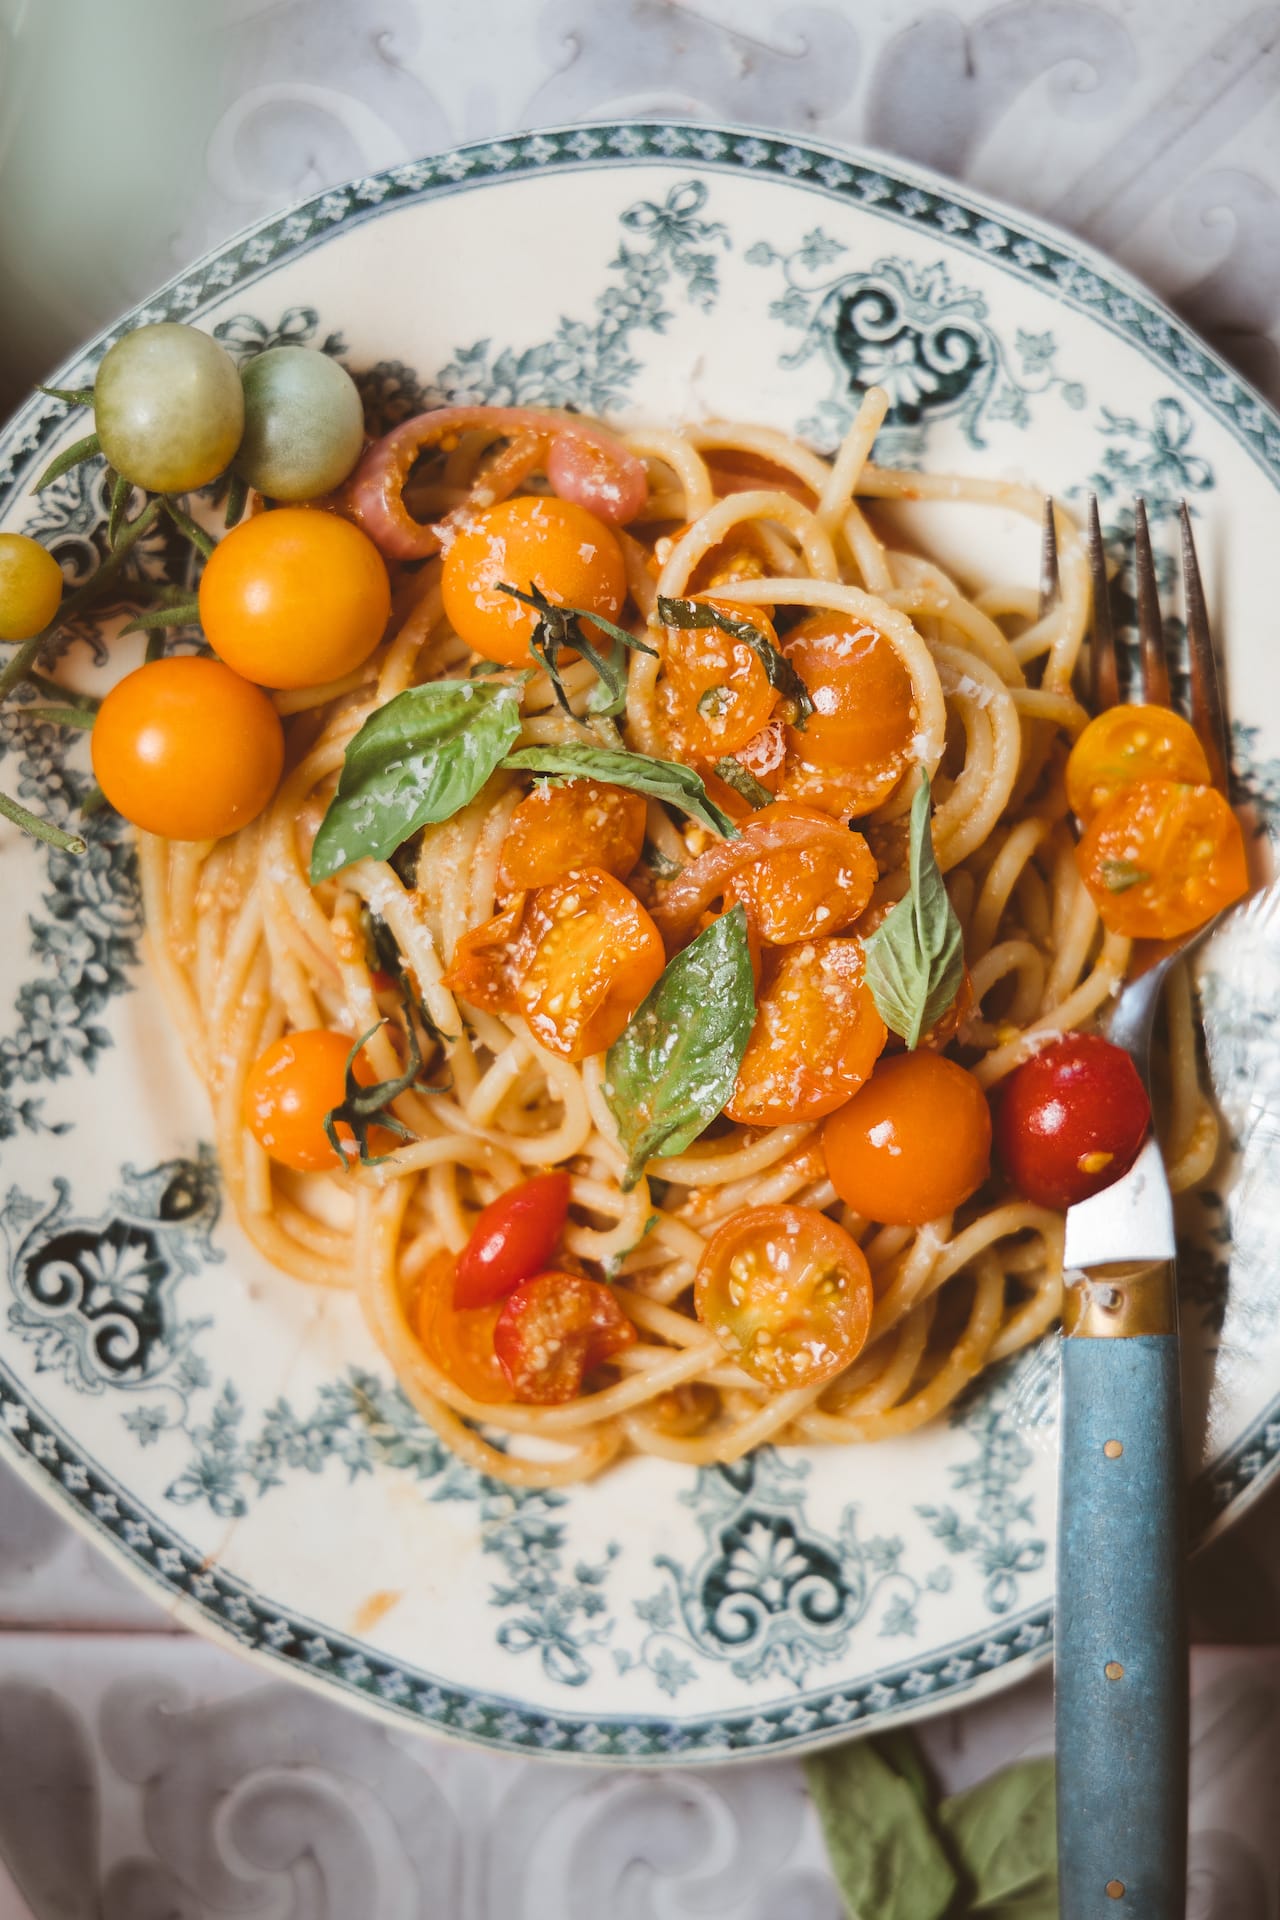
(231, 1436)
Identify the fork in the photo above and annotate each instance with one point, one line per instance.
(1121, 1681)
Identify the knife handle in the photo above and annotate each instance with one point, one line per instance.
(1121, 1637)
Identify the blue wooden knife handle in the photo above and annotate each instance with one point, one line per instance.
(1120, 1637)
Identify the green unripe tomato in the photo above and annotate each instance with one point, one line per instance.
(30, 587)
(303, 423)
(168, 407)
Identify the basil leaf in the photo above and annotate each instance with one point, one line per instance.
(660, 779)
(743, 781)
(1004, 1832)
(560, 626)
(673, 1067)
(902, 1751)
(779, 671)
(420, 758)
(885, 1855)
(915, 957)
(1038, 1901)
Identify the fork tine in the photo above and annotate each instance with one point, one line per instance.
(1049, 585)
(1104, 678)
(1208, 713)
(1152, 681)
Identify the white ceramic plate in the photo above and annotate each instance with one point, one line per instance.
(231, 1436)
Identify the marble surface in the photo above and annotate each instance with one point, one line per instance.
(143, 1774)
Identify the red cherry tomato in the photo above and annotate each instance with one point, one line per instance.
(554, 1329)
(513, 1238)
(1071, 1120)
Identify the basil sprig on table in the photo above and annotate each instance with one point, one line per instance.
(419, 759)
(915, 957)
(673, 1067)
(658, 779)
(898, 1853)
(781, 675)
(560, 627)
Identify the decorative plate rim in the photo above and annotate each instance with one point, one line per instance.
(153, 1555)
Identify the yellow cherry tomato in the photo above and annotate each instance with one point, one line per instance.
(30, 587)
(532, 541)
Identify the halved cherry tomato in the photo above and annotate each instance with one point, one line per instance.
(1161, 858)
(740, 472)
(576, 958)
(816, 1037)
(913, 1143)
(1071, 1120)
(292, 1086)
(808, 891)
(460, 1340)
(787, 1293)
(534, 540)
(714, 694)
(1125, 744)
(583, 823)
(864, 718)
(185, 748)
(555, 1328)
(294, 598)
(765, 755)
(512, 1239)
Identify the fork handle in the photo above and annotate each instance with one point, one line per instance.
(1121, 1637)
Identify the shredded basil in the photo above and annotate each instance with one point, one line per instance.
(1119, 875)
(782, 676)
(560, 627)
(915, 957)
(419, 759)
(743, 781)
(659, 779)
(670, 1072)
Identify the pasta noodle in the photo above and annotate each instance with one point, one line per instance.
(245, 947)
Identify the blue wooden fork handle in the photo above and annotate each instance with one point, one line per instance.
(1121, 1638)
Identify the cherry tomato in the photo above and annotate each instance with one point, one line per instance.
(583, 823)
(295, 598)
(714, 694)
(787, 1293)
(552, 1330)
(30, 587)
(816, 1037)
(1161, 858)
(168, 407)
(459, 1339)
(1071, 1120)
(186, 748)
(1126, 744)
(913, 1143)
(530, 541)
(576, 958)
(513, 1238)
(292, 1086)
(303, 423)
(808, 891)
(864, 718)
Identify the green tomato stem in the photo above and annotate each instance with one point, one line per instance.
(60, 716)
(41, 829)
(20, 663)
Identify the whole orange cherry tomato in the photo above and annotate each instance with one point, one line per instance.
(583, 823)
(459, 1339)
(289, 1090)
(295, 598)
(513, 1239)
(555, 1328)
(912, 1143)
(816, 1037)
(714, 694)
(1126, 744)
(576, 958)
(808, 891)
(531, 541)
(787, 1293)
(1161, 858)
(185, 748)
(864, 718)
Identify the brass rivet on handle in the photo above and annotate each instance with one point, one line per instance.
(1113, 1448)
(1115, 1889)
(1113, 1670)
